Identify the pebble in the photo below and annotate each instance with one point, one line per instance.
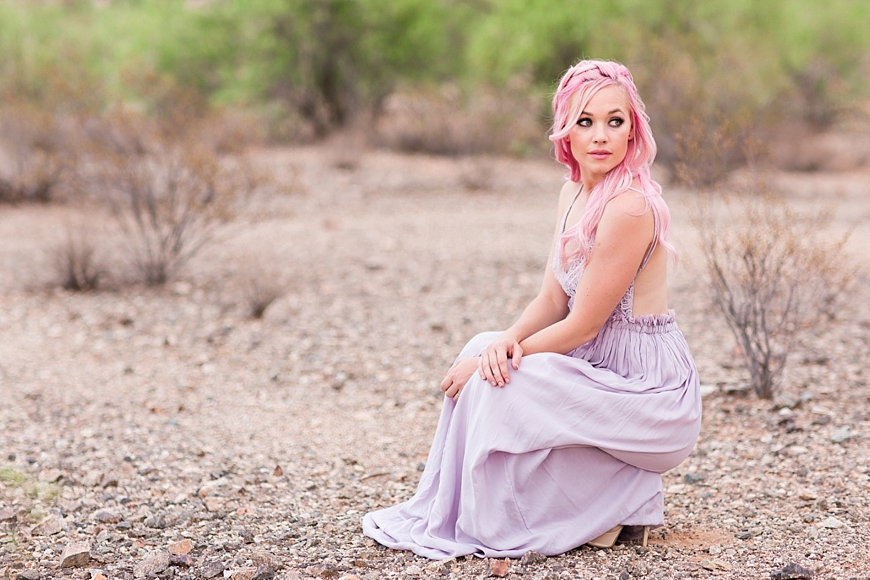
(441, 566)
(211, 570)
(841, 435)
(214, 504)
(48, 526)
(6, 514)
(28, 574)
(152, 565)
(180, 548)
(181, 560)
(106, 516)
(792, 571)
(242, 574)
(497, 568)
(831, 523)
(531, 557)
(75, 554)
(716, 564)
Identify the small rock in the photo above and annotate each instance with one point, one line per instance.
(641, 569)
(441, 566)
(841, 435)
(262, 558)
(707, 390)
(784, 401)
(51, 475)
(531, 557)
(6, 514)
(214, 504)
(75, 554)
(413, 570)
(27, 574)
(242, 574)
(743, 535)
(183, 560)
(157, 522)
(831, 523)
(677, 488)
(49, 526)
(106, 516)
(110, 480)
(714, 550)
(810, 517)
(92, 479)
(180, 548)
(99, 576)
(278, 472)
(692, 478)
(264, 573)
(715, 564)
(324, 571)
(211, 570)
(497, 568)
(152, 565)
(813, 533)
(792, 571)
(807, 495)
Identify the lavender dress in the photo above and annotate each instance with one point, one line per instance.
(573, 446)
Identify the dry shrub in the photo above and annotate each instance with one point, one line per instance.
(708, 150)
(261, 286)
(36, 153)
(443, 122)
(168, 190)
(774, 273)
(76, 260)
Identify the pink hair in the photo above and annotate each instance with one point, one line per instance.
(576, 89)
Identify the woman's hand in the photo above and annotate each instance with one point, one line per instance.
(493, 365)
(458, 375)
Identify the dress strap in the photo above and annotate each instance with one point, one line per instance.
(570, 207)
(652, 245)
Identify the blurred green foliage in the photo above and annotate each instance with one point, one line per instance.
(327, 60)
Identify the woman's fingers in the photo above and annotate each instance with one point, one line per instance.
(517, 356)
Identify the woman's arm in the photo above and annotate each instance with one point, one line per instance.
(623, 237)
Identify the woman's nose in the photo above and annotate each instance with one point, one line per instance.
(600, 135)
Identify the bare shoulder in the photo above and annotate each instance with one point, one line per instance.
(626, 215)
(566, 195)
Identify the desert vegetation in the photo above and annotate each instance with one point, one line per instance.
(239, 239)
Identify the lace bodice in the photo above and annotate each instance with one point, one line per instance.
(569, 278)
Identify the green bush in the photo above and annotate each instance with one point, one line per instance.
(326, 61)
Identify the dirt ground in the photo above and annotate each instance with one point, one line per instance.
(176, 436)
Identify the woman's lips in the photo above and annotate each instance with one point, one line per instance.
(599, 154)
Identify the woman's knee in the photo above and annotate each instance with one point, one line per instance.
(479, 342)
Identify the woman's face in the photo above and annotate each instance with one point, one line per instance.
(600, 138)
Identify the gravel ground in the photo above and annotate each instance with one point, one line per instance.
(164, 432)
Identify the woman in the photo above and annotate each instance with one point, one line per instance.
(554, 433)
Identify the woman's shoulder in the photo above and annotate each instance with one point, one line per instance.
(632, 201)
(569, 191)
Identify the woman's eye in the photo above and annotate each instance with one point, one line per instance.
(616, 122)
(585, 122)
